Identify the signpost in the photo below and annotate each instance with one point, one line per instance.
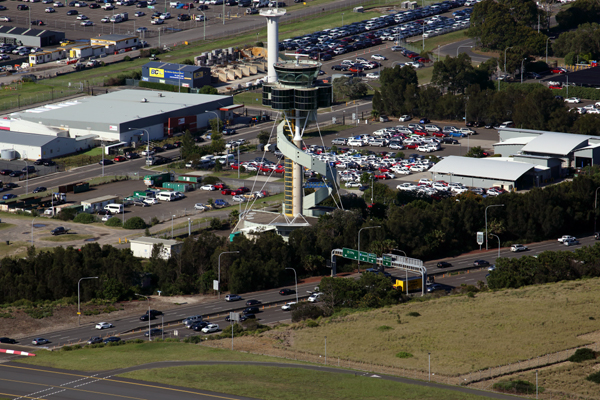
(233, 317)
(350, 253)
(387, 261)
(479, 239)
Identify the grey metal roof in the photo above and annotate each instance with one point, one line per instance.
(120, 107)
(13, 30)
(114, 37)
(153, 241)
(556, 143)
(488, 168)
(27, 139)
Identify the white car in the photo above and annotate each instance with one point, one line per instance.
(49, 10)
(314, 298)
(86, 23)
(208, 187)
(238, 198)
(157, 21)
(406, 186)
(515, 248)
(372, 75)
(201, 207)
(288, 306)
(58, 4)
(82, 17)
(353, 184)
(210, 328)
(573, 100)
(566, 237)
(150, 200)
(378, 57)
(405, 118)
(200, 18)
(103, 325)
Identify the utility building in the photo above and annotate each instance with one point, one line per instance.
(30, 37)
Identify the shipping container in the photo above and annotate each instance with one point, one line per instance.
(157, 180)
(177, 186)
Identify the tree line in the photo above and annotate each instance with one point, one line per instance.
(422, 228)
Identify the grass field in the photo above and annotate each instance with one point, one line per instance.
(271, 383)
(15, 95)
(248, 98)
(463, 334)
(65, 238)
(6, 226)
(424, 75)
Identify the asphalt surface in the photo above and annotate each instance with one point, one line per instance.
(21, 381)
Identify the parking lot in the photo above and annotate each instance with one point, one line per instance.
(60, 21)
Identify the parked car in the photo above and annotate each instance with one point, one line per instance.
(573, 100)
(154, 332)
(9, 196)
(207, 187)
(7, 340)
(119, 159)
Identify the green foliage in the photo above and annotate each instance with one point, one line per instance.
(6, 315)
(582, 355)
(210, 180)
(193, 339)
(580, 12)
(134, 223)
(263, 137)
(475, 152)
(595, 377)
(67, 214)
(154, 221)
(39, 312)
(305, 310)
(349, 88)
(384, 328)
(455, 74)
(120, 79)
(126, 58)
(403, 354)
(218, 166)
(312, 323)
(114, 221)
(399, 91)
(188, 61)
(215, 224)
(163, 86)
(516, 386)
(413, 313)
(67, 348)
(85, 218)
(207, 89)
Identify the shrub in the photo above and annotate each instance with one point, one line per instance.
(312, 323)
(114, 221)
(582, 355)
(384, 328)
(95, 345)
(91, 312)
(127, 58)
(215, 224)
(210, 180)
(66, 214)
(404, 354)
(85, 218)
(154, 221)
(305, 310)
(135, 223)
(39, 312)
(67, 348)
(192, 339)
(595, 377)
(77, 347)
(516, 386)
(413, 314)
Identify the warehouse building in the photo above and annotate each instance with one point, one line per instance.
(30, 37)
(15, 145)
(485, 172)
(187, 76)
(125, 115)
(114, 43)
(554, 150)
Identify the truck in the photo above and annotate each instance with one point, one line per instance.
(414, 283)
(116, 18)
(60, 230)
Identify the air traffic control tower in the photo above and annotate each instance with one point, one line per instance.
(298, 95)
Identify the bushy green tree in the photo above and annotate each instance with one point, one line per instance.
(399, 93)
(84, 218)
(114, 221)
(351, 88)
(134, 223)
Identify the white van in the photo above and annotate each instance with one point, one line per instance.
(166, 196)
(227, 159)
(114, 208)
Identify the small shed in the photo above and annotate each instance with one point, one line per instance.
(98, 203)
(142, 247)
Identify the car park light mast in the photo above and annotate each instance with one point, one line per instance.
(595, 206)
(79, 297)
(219, 271)
(149, 316)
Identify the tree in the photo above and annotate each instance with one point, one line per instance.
(134, 223)
(349, 88)
(217, 143)
(580, 12)
(399, 91)
(453, 74)
(189, 150)
(263, 137)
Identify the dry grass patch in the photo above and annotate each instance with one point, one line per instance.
(463, 334)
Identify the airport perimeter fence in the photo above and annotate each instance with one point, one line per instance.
(481, 379)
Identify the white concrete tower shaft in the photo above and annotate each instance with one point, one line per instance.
(272, 16)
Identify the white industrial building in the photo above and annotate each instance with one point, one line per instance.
(555, 151)
(142, 247)
(485, 172)
(125, 115)
(15, 145)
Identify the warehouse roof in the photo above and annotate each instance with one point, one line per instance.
(24, 139)
(516, 141)
(153, 241)
(487, 168)
(117, 107)
(13, 30)
(556, 143)
(172, 66)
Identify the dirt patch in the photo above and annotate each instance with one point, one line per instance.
(65, 317)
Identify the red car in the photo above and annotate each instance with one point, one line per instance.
(220, 185)
(382, 176)
(420, 133)
(280, 169)
(235, 192)
(234, 166)
(558, 70)
(555, 87)
(384, 169)
(264, 168)
(243, 189)
(226, 191)
(119, 159)
(438, 134)
(411, 146)
(355, 68)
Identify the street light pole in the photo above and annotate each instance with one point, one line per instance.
(595, 205)
(359, 231)
(486, 230)
(522, 69)
(496, 236)
(460, 47)
(505, 58)
(79, 298)
(172, 216)
(149, 331)
(296, 279)
(219, 276)
(547, 39)
(32, 230)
